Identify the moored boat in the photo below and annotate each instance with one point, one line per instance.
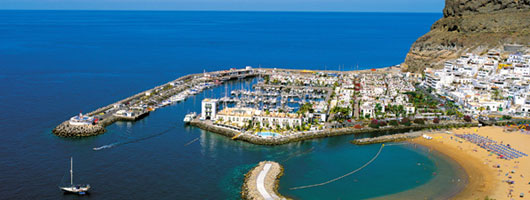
(189, 117)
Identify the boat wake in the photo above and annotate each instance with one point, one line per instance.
(104, 147)
(194, 140)
(108, 146)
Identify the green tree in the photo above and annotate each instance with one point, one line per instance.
(496, 95)
(378, 110)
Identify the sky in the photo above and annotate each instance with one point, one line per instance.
(432, 6)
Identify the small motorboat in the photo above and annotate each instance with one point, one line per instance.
(189, 117)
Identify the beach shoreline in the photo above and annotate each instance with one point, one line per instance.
(480, 179)
(484, 180)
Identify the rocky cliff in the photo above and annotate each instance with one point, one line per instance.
(471, 26)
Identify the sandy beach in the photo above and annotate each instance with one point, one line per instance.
(485, 179)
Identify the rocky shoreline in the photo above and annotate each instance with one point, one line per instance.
(249, 189)
(254, 139)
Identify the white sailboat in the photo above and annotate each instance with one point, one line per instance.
(78, 189)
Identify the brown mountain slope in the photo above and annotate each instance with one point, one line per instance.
(471, 26)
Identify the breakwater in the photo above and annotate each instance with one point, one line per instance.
(330, 132)
(387, 138)
(146, 101)
(261, 182)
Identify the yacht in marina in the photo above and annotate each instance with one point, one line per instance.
(189, 117)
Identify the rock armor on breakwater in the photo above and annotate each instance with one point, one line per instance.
(65, 129)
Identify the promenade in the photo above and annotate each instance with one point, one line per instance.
(261, 182)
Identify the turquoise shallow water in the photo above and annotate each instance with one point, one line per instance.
(398, 168)
(57, 63)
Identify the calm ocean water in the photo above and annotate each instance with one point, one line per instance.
(57, 63)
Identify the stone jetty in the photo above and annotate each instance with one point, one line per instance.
(388, 138)
(261, 182)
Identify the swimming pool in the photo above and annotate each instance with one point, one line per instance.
(268, 134)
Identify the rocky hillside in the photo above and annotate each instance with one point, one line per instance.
(471, 26)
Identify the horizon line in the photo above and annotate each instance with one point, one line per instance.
(213, 10)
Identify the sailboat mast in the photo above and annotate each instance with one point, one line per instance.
(71, 171)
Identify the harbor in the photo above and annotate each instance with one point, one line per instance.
(278, 106)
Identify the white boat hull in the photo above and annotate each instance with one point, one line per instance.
(76, 189)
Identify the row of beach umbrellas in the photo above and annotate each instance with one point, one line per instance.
(504, 151)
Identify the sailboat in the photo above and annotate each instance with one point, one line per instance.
(78, 189)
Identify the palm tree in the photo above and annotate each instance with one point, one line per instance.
(497, 95)
(481, 109)
(378, 109)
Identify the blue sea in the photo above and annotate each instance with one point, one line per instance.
(55, 64)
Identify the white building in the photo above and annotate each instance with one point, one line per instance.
(209, 109)
(236, 116)
(274, 119)
(410, 109)
(81, 120)
(367, 110)
(240, 117)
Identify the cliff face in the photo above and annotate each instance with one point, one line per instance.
(471, 26)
